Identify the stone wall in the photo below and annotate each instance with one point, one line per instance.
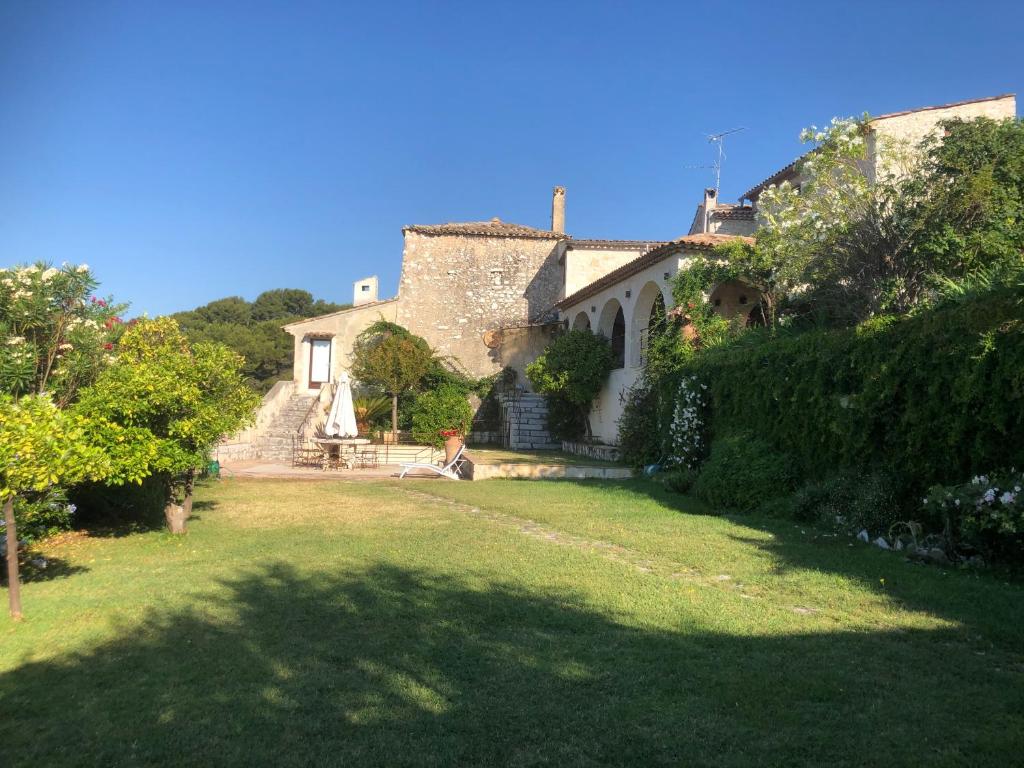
(909, 128)
(455, 289)
(592, 451)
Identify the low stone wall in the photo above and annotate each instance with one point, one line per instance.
(591, 451)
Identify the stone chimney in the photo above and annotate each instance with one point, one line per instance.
(364, 291)
(710, 202)
(558, 210)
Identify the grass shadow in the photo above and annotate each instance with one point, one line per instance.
(391, 666)
(980, 601)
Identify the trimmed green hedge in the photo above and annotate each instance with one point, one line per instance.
(932, 398)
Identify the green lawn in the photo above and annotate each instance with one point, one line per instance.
(502, 623)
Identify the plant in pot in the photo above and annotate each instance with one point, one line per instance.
(442, 417)
(370, 410)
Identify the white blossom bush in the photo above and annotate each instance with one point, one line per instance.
(687, 432)
(987, 513)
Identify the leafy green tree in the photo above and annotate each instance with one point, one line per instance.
(253, 330)
(186, 396)
(388, 356)
(41, 447)
(572, 370)
(969, 197)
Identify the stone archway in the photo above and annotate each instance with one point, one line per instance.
(735, 297)
(612, 325)
(648, 316)
(581, 322)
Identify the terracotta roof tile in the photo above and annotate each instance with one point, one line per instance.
(734, 213)
(493, 228)
(595, 243)
(701, 242)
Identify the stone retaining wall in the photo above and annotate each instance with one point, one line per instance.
(591, 451)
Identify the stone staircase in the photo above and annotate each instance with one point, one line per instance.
(275, 442)
(526, 419)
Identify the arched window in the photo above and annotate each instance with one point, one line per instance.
(656, 322)
(619, 340)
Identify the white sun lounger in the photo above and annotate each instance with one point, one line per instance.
(450, 470)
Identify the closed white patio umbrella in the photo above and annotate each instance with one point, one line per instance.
(341, 420)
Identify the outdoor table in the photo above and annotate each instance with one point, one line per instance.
(338, 446)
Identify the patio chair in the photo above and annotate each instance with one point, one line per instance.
(367, 458)
(305, 455)
(450, 470)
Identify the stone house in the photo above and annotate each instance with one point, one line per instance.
(483, 294)
(909, 128)
(619, 304)
(489, 295)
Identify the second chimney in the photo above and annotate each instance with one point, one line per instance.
(710, 202)
(558, 210)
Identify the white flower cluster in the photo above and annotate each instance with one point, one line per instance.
(686, 433)
(991, 501)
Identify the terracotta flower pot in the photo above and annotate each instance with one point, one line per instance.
(451, 447)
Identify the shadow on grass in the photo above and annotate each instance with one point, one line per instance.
(398, 667)
(116, 511)
(980, 601)
(33, 569)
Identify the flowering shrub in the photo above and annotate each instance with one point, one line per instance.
(687, 432)
(43, 514)
(55, 336)
(987, 513)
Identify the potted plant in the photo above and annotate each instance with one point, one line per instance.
(452, 443)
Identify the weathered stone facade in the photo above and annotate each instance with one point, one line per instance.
(461, 290)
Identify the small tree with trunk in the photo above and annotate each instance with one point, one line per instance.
(40, 447)
(571, 372)
(183, 397)
(390, 357)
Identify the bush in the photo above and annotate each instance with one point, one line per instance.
(639, 433)
(742, 473)
(679, 480)
(851, 501)
(932, 396)
(443, 408)
(39, 515)
(565, 420)
(132, 505)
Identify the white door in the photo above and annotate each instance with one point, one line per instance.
(319, 362)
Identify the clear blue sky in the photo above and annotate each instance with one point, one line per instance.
(193, 150)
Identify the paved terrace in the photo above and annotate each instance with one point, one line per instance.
(486, 464)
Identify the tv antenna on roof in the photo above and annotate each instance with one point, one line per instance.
(719, 139)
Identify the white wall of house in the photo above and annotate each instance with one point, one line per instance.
(586, 261)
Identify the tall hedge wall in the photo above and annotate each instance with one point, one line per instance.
(935, 397)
